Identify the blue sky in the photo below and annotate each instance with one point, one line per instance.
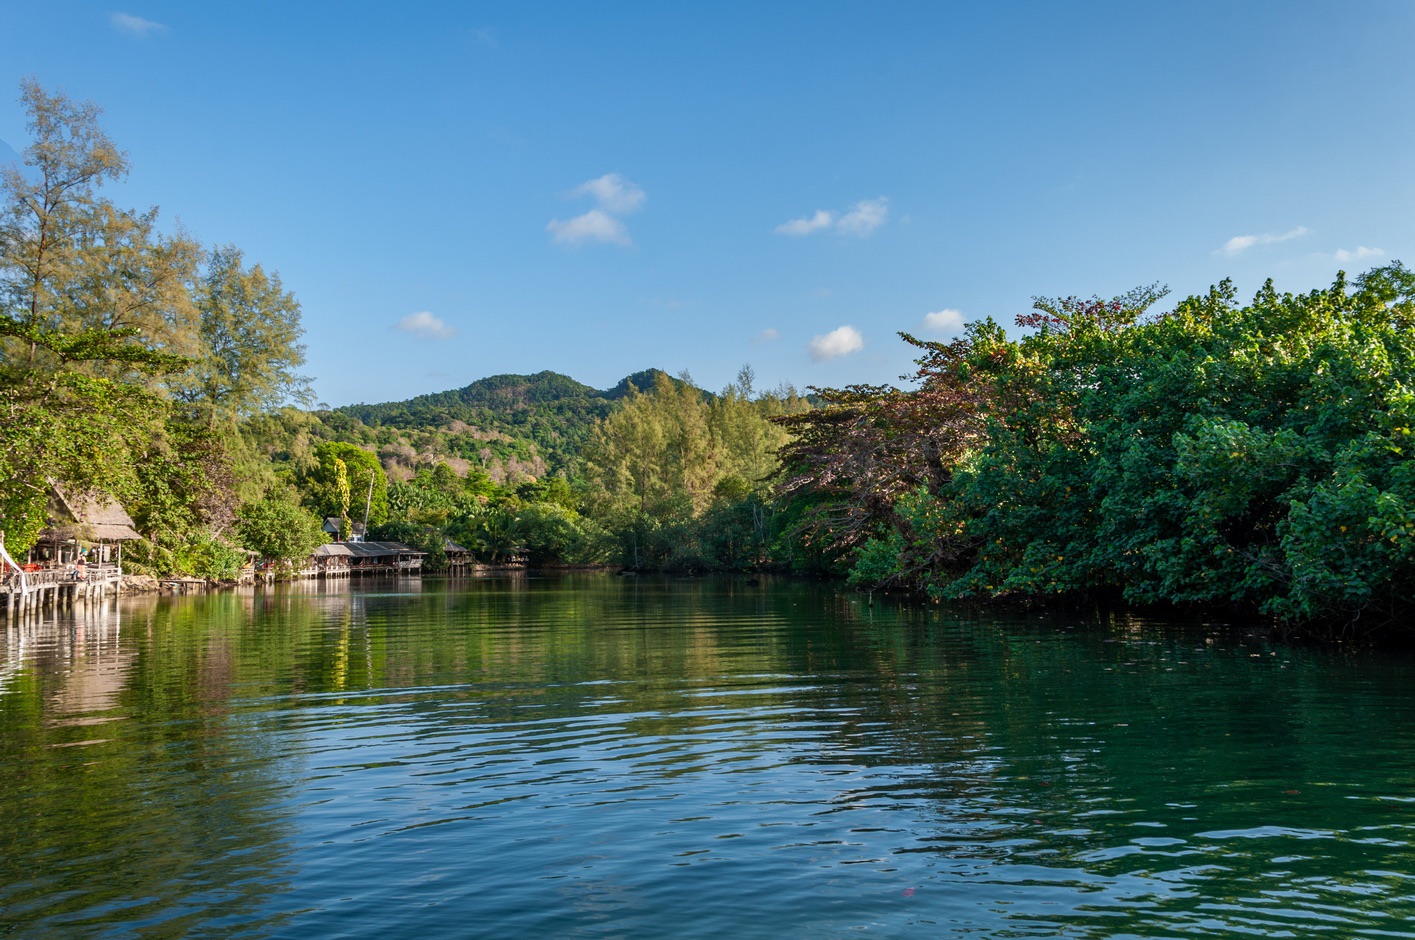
(459, 190)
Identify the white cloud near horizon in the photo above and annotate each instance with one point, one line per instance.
(425, 325)
(840, 341)
(947, 320)
(594, 226)
(613, 193)
(1241, 243)
(766, 336)
(134, 25)
(1361, 252)
(861, 221)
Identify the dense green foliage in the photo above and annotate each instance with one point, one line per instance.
(661, 473)
(683, 480)
(279, 529)
(93, 313)
(1213, 454)
(127, 355)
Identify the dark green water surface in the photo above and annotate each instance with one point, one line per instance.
(590, 756)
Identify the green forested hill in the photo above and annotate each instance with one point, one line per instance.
(546, 415)
(498, 397)
(494, 396)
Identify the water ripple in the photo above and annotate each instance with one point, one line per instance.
(605, 759)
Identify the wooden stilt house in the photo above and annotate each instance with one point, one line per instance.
(91, 527)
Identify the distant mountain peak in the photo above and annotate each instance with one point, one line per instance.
(509, 390)
(644, 381)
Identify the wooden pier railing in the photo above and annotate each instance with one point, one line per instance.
(50, 587)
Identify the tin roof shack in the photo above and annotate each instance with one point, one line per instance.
(331, 560)
(79, 521)
(385, 556)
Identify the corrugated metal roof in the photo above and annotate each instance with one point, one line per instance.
(380, 549)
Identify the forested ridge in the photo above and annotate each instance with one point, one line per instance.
(549, 410)
(1210, 454)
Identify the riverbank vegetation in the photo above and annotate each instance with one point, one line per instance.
(1254, 456)
(1250, 456)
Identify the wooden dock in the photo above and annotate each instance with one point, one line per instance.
(58, 588)
(181, 585)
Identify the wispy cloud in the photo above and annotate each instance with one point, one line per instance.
(864, 219)
(947, 320)
(1241, 243)
(594, 226)
(613, 193)
(134, 25)
(616, 196)
(425, 325)
(806, 226)
(838, 342)
(861, 220)
(766, 336)
(1360, 253)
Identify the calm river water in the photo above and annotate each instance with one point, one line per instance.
(589, 756)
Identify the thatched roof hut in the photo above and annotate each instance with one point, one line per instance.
(86, 517)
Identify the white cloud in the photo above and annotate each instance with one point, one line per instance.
(594, 226)
(766, 336)
(838, 342)
(861, 221)
(815, 223)
(134, 25)
(613, 193)
(946, 320)
(616, 196)
(1360, 253)
(424, 325)
(1241, 243)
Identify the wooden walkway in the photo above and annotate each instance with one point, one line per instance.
(59, 588)
(55, 588)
